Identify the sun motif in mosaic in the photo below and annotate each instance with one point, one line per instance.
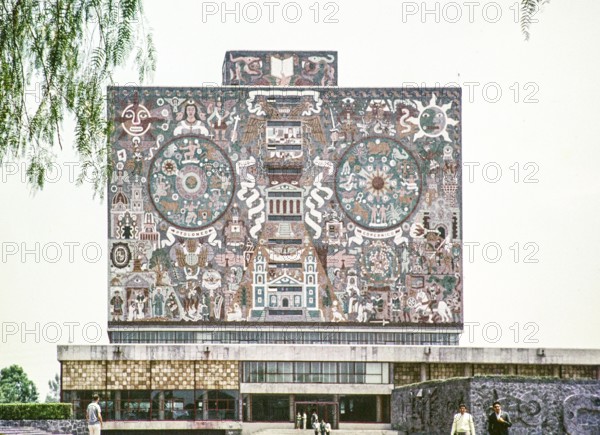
(378, 183)
(433, 119)
(191, 182)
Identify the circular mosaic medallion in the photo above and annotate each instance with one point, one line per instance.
(191, 182)
(378, 183)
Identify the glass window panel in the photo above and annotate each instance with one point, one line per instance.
(385, 373)
(373, 379)
(373, 368)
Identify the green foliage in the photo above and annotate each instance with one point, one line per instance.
(35, 411)
(15, 386)
(529, 9)
(54, 394)
(56, 58)
(160, 260)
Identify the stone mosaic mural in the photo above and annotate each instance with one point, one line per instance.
(281, 68)
(536, 405)
(253, 204)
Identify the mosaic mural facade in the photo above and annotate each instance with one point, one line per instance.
(282, 68)
(252, 204)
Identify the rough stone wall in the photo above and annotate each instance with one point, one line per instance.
(540, 406)
(428, 407)
(537, 406)
(73, 427)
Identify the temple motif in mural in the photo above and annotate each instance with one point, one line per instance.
(250, 204)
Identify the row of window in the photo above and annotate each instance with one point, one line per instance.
(217, 405)
(158, 404)
(285, 337)
(315, 372)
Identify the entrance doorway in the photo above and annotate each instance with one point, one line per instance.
(325, 410)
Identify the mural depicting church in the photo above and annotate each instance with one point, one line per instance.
(296, 203)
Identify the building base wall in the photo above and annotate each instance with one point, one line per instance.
(74, 427)
(536, 406)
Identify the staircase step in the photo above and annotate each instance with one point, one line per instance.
(6, 430)
(274, 431)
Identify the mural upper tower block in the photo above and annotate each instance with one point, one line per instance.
(281, 199)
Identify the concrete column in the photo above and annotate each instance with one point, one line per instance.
(378, 409)
(292, 403)
(512, 369)
(598, 373)
(249, 405)
(161, 405)
(424, 372)
(468, 370)
(556, 371)
(335, 423)
(117, 405)
(205, 405)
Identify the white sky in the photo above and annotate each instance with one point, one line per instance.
(554, 301)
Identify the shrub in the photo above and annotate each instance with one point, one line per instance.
(35, 411)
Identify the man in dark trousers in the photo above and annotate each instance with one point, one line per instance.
(498, 421)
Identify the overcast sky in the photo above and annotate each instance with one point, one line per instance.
(531, 195)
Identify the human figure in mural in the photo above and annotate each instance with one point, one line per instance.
(172, 306)
(217, 119)
(498, 421)
(395, 307)
(117, 306)
(157, 303)
(191, 149)
(405, 307)
(462, 423)
(140, 305)
(131, 311)
(192, 123)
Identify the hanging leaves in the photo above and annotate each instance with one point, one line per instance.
(56, 59)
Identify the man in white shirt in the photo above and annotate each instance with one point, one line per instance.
(93, 416)
(463, 422)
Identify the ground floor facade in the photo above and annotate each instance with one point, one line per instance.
(224, 387)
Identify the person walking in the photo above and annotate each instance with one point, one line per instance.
(322, 427)
(314, 419)
(298, 420)
(304, 418)
(463, 423)
(94, 416)
(498, 421)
